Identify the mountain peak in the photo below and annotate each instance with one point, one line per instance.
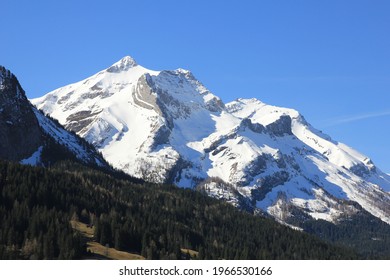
(165, 126)
(122, 65)
(128, 60)
(9, 84)
(4, 74)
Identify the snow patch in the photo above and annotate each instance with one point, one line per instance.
(34, 159)
(65, 138)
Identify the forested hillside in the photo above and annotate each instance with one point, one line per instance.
(156, 221)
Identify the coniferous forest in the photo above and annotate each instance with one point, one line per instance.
(37, 206)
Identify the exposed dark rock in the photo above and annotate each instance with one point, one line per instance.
(215, 105)
(79, 120)
(20, 133)
(24, 130)
(258, 165)
(360, 169)
(280, 127)
(267, 183)
(255, 127)
(144, 95)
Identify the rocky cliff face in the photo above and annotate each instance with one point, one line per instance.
(165, 126)
(28, 136)
(20, 133)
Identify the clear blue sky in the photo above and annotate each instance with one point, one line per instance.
(328, 59)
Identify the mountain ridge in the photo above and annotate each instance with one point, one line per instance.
(166, 127)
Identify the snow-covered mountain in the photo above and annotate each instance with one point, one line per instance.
(30, 137)
(165, 126)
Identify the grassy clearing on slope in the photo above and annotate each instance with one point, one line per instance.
(82, 228)
(99, 251)
(193, 254)
(111, 253)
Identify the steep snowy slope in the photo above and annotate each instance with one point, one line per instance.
(128, 113)
(165, 126)
(322, 174)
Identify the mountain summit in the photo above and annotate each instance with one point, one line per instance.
(165, 126)
(122, 65)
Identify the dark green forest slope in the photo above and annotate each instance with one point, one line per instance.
(37, 205)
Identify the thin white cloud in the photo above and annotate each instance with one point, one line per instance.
(350, 119)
